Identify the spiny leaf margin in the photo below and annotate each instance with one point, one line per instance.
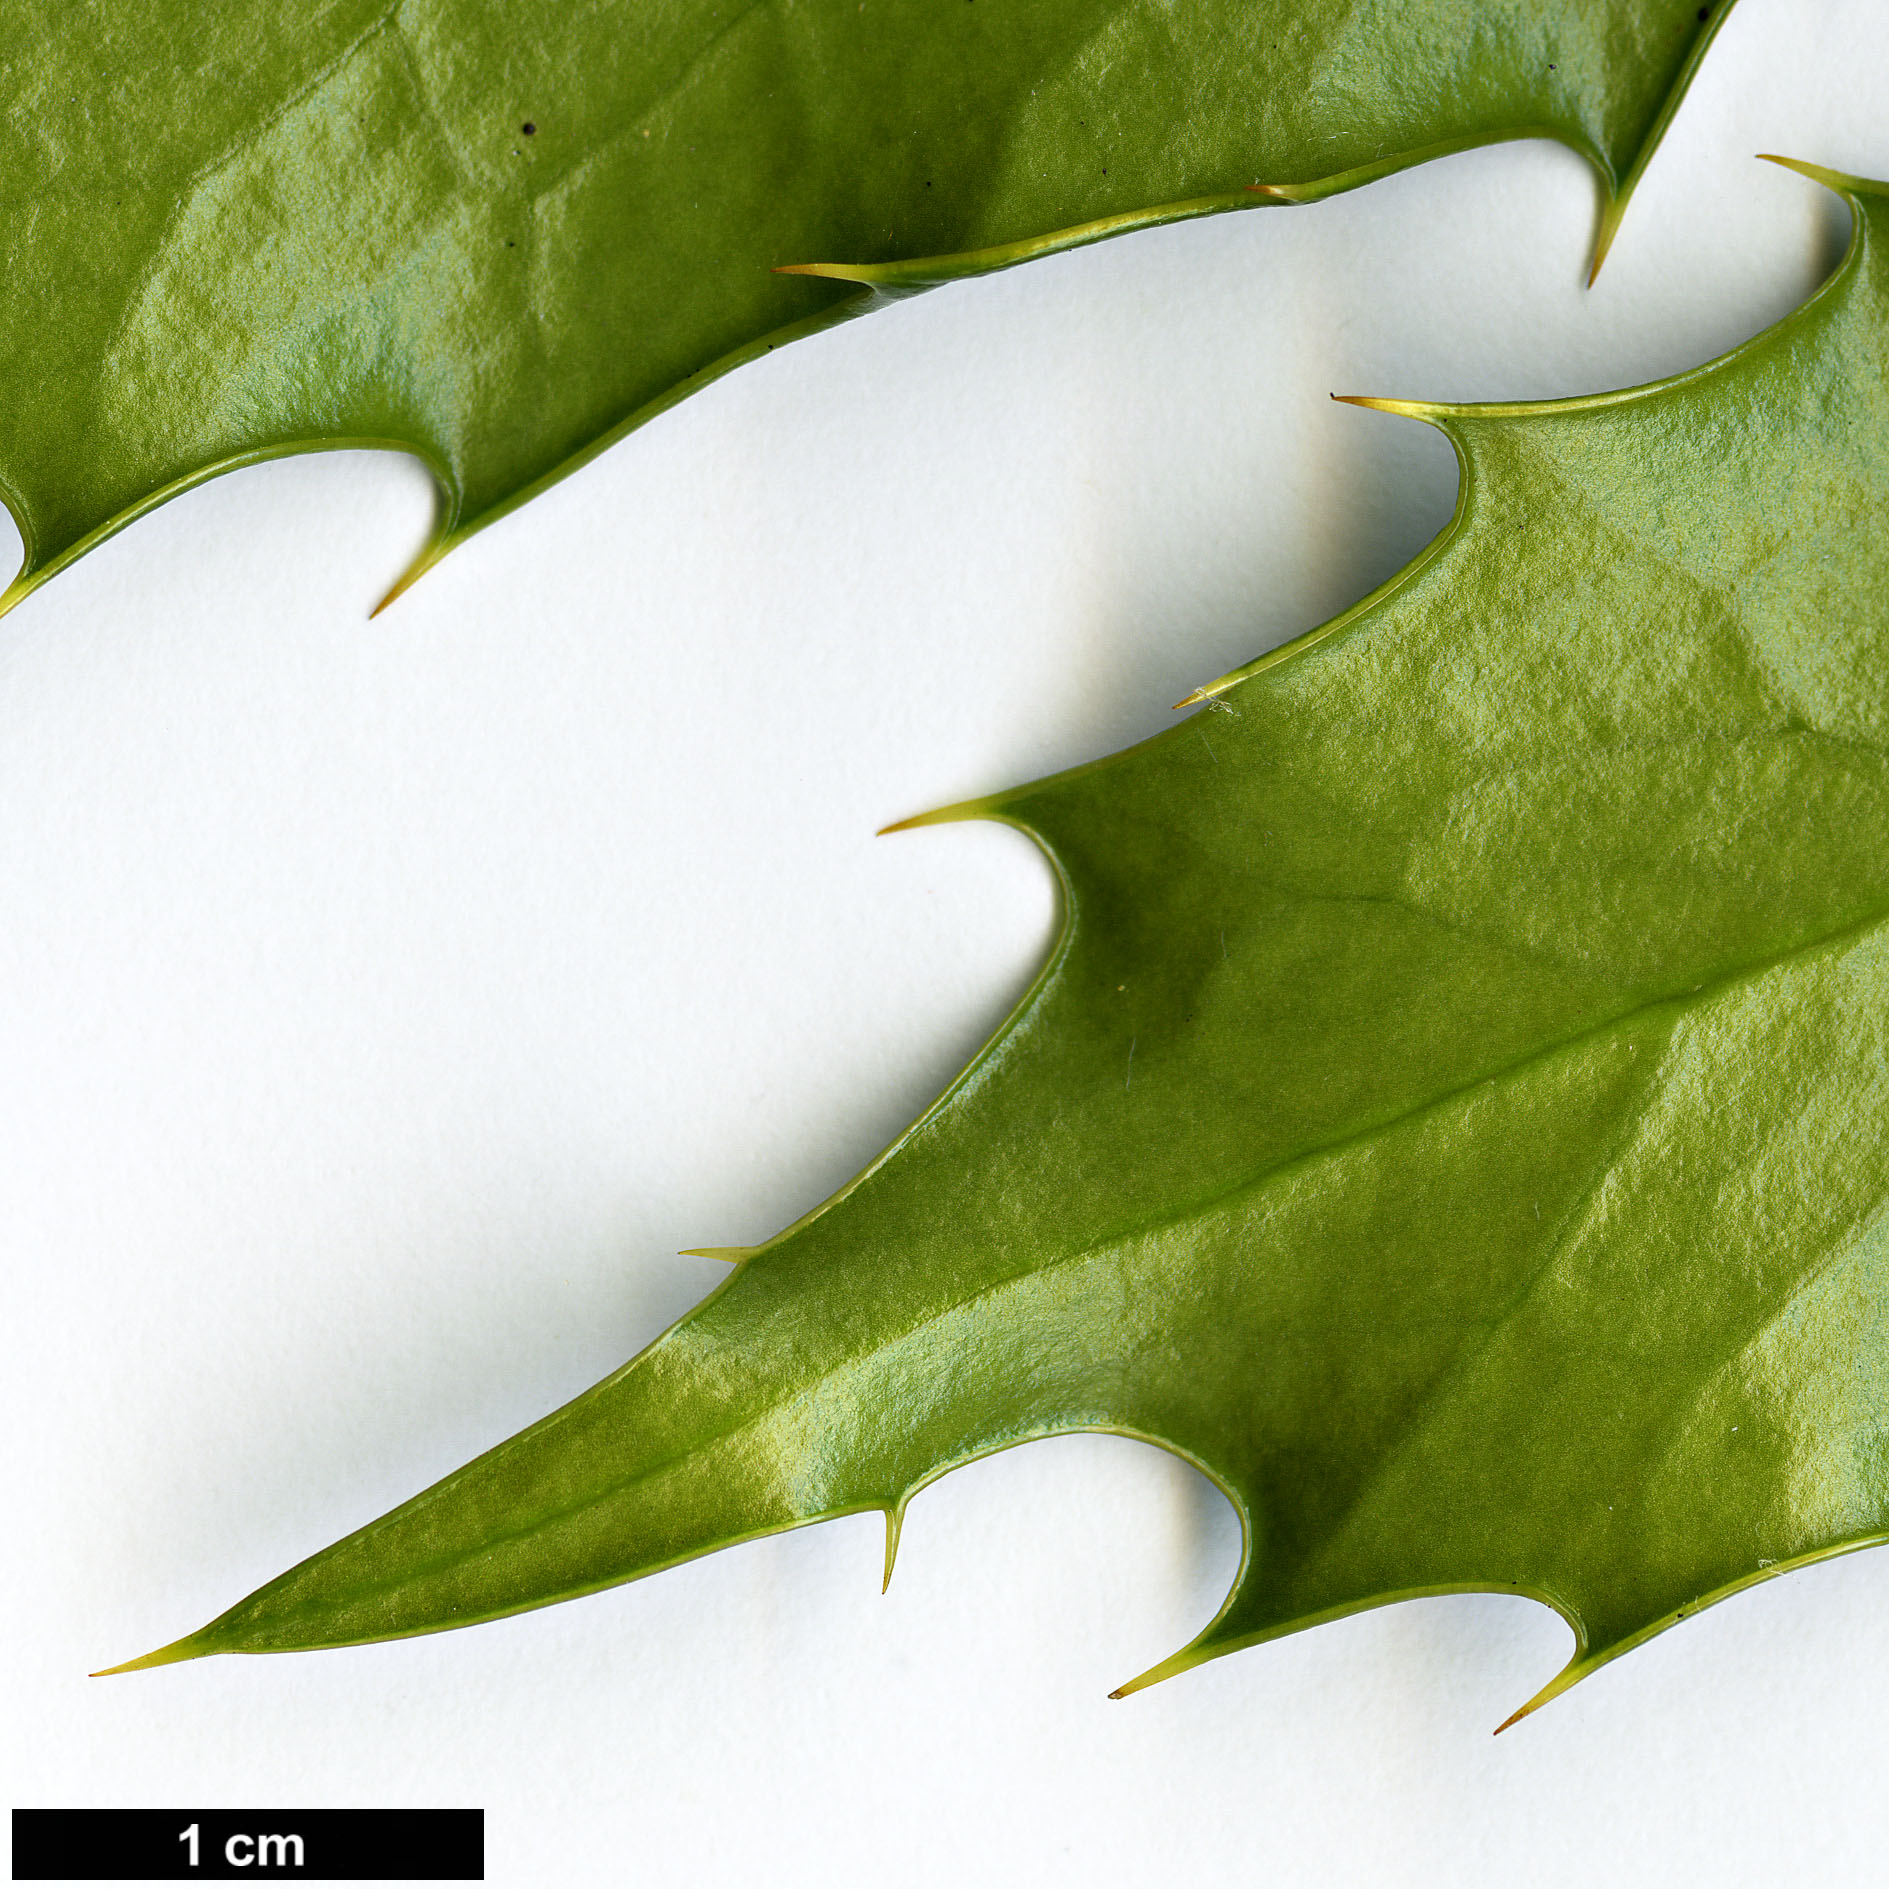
(246, 232)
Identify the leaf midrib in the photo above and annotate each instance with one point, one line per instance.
(1132, 1231)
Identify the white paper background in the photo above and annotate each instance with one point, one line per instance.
(385, 1003)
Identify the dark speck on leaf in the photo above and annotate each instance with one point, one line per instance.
(530, 130)
(1705, 13)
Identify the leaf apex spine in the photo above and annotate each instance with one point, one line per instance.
(894, 1522)
(1842, 182)
(1613, 212)
(428, 557)
(1409, 409)
(1207, 692)
(944, 816)
(170, 1655)
(834, 271)
(1172, 1667)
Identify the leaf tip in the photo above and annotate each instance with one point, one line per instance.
(944, 816)
(832, 271)
(1427, 410)
(1207, 692)
(1570, 1675)
(1839, 181)
(1183, 1661)
(733, 1255)
(1612, 211)
(894, 1521)
(430, 556)
(171, 1655)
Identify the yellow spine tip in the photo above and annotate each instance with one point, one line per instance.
(404, 584)
(171, 1655)
(943, 816)
(1409, 409)
(1817, 173)
(410, 576)
(1611, 213)
(833, 271)
(894, 1521)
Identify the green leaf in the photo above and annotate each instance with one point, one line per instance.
(1452, 1116)
(502, 233)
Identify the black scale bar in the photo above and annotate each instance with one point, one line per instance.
(248, 1845)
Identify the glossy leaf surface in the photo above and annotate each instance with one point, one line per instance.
(503, 232)
(1453, 1116)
